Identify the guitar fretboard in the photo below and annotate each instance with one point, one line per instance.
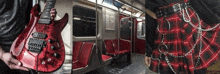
(45, 16)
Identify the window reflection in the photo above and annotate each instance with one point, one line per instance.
(141, 30)
(125, 28)
(84, 22)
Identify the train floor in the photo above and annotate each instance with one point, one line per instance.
(122, 67)
(138, 67)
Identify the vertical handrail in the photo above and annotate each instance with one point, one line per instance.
(131, 28)
(96, 20)
(118, 31)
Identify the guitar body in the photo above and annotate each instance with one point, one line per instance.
(40, 46)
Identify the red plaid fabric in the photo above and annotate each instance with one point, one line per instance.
(180, 37)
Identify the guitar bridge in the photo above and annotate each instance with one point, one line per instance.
(36, 45)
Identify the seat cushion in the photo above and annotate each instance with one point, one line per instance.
(105, 57)
(77, 65)
(123, 51)
(120, 52)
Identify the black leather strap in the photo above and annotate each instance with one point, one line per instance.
(171, 9)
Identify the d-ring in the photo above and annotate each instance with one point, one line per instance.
(158, 26)
(187, 14)
(163, 45)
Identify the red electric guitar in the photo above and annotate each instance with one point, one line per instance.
(40, 45)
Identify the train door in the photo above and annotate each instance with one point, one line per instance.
(140, 36)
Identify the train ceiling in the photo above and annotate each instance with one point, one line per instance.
(137, 4)
(126, 6)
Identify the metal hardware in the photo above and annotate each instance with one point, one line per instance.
(39, 35)
(176, 7)
(36, 45)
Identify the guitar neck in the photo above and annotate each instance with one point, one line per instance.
(45, 16)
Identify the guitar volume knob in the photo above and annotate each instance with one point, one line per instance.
(53, 47)
(49, 59)
(57, 55)
(50, 40)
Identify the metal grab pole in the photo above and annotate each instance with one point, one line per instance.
(96, 18)
(118, 30)
(131, 30)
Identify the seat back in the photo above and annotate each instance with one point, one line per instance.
(85, 53)
(76, 50)
(125, 45)
(115, 44)
(109, 46)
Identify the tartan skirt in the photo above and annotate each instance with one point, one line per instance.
(185, 44)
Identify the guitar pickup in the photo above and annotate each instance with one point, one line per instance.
(39, 35)
(36, 45)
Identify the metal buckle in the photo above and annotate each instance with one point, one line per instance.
(176, 7)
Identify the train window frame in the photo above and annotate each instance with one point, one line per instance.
(121, 26)
(98, 22)
(141, 27)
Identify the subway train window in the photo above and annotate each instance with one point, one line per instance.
(84, 22)
(125, 28)
(141, 30)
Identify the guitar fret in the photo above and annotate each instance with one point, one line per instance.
(46, 12)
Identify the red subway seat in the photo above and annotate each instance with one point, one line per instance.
(109, 47)
(113, 49)
(125, 46)
(84, 56)
(76, 50)
(105, 57)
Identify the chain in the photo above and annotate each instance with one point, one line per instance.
(200, 28)
(158, 63)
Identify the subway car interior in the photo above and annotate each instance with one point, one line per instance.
(110, 34)
(104, 36)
